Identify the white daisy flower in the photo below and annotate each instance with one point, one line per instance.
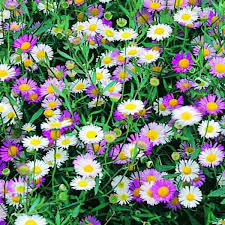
(120, 183)
(148, 56)
(38, 168)
(108, 33)
(12, 114)
(201, 83)
(14, 200)
(190, 197)
(4, 107)
(82, 183)
(101, 74)
(159, 32)
(107, 60)
(79, 85)
(42, 52)
(6, 72)
(53, 114)
(35, 142)
(53, 123)
(4, 15)
(87, 167)
(58, 156)
(114, 89)
(30, 220)
(124, 197)
(91, 134)
(21, 187)
(131, 151)
(28, 127)
(79, 28)
(126, 34)
(188, 170)
(93, 26)
(47, 6)
(187, 115)
(3, 212)
(131, 51)
(146, 193)
(160, 108)
(186, 15)
(209, 129)
(130, 107)
(96, 102)
(66, 141)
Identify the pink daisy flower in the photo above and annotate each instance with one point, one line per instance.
(163, 190)
(172, 103)
(150, 175)
(118, 155)
(34, 96)
(154, 5)
(92, 91)
(174, 203)
(97, 148)
(121, 74)
(171, 4)
(90, 220)
(184, 85)
(95, 11)
(217, 67)
(135, 187)
(25, 42)
(24, 86)
(207, 51)
(182, 63)
(73, 119)
(211, 104)
(199, 180)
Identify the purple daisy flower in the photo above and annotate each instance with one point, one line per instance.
(118, 155)
(154, 5)
(150, 175)
(217, 67)
(74, 120)
(163, 190)
(172, 103)
(174, 203)
(25, 42)
(34, 96)
(186, 150)
(211, 104)
(184, 85)
(11, 4)
(182, 63)
(118, 116)
(97, 148)
(95, 11)
(14, 26)
(206, 50)
(90, 220)
(92, 91)
(213, 19)
(144, 17)
(9, 150)
(24, 86)
(199, 180)
(135, 187)
(121, 74)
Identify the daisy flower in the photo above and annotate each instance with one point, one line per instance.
(53, 124)
(177, 3)
(150, 175)
(201, 83)
(35, 142)
(211, 155)
(199, 180)
(86, 166)
(188, 170)
(108, 33)
(120, 183)
(42, 52)
(217, 66)
(91, 220)
(58, 157)
(91, 134)
(135, 188)
(93, 26)
(107, 59)
(211, 104)
(160, 108)
(30, 220)
(96, 102)
(209, 129)
(163, 190)
(13, 114)
(159, 32)
(51, 102)
(154, 5)
(38, 168)
(130, 107)
(172, 103)
(4, 107)
(124, 197)
(14, 200)
(20, 186)
(146, 194)
(25, 42)
(206, 50)
(182, 62)
(186, 16)
(190, 197)
(82, 183)
(126, 34)
(187, 115)
(148, 56)
(122, 74)
(101, 74)
(66, 141)
(184, 85)
(131, 51)
(3, 212)
(6, 72)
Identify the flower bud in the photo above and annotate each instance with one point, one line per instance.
(121, 22)
(23, 169)
(175, 156)
(113, 198)
(6, 171)
(154, 81)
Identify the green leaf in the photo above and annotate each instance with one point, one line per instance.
(217, 193)
(65, 55)
(36, 115)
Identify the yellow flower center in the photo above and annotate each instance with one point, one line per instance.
(40, 54)
(151, 178)
(11, 115)
(132, 52)
(122, 156)
(209, 129)
(33, 96)
(111, 89)
(185, 85)
(163, 191)
(66, 142)
(211, 157)
(143, 18)
(16, 199)
(159, 30)
(37, 170)
(50, 90)
(96, 147)
(123, 75)
(55, 134)
(20, 189)
(175, 201)
(120, 58)
(14, 26)
(58, 155)
(12, 151)
(130, 106)
(186, 116)
(154, 5)
(79, 86)
(124, 197)
(189, 149)
(49, 113)
(55, 124)
(91, 134)
(185, 16)
(3, 73)
(211, 106)
(107, 60)
(109, 33)
(173, 102)
(31, 222)
(152, 135)
(183, 63)
(121, 184)
(88, 168)
(99, 76)
(206, 52)
(52, 105)
(93, 27)
(25, 46)
(126, 35)
(95, 11)
(149, 56)
(190, 197)
(220, 68)
(162, 107)
(136, 192)
(149, 193)
(24, 87)
(82, 183)
(187, 170)
(35, 142)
